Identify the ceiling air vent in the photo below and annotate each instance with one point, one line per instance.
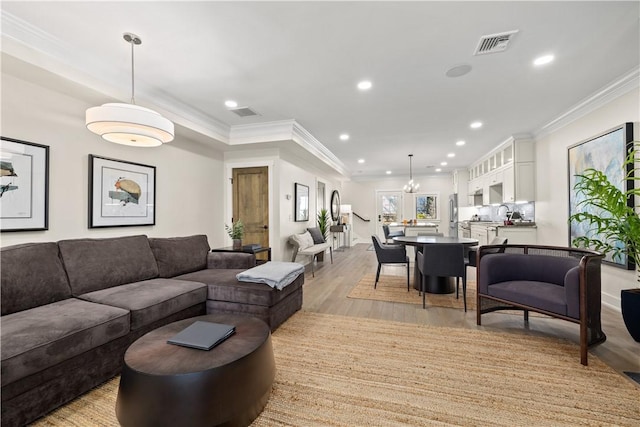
(243, 111)
(494, 42)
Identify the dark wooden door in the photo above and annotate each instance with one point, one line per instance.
(251, 204)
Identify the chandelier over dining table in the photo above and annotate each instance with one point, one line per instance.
(411, 186)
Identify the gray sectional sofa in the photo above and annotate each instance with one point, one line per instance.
(70, 309)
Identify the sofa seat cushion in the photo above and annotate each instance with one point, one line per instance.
(95, 264)
(546, 296)
(31, 275)
(314, 249)
(151, 300)
(180, 255)
(41, 337)
(223, 286)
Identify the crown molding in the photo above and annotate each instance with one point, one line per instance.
(617, 88)
(38, 48)
(286, 130)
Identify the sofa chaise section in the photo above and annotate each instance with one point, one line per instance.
(189, 258)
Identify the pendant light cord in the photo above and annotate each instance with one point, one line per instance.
(133, 85)
(133, 40)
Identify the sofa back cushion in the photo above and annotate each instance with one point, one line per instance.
(94, 264)
(507, 267)
(31, 275)
(180, 255)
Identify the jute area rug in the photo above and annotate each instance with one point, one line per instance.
(394, 289)
(348, 371)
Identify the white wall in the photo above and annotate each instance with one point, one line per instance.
(289, 174)
(361, 195)
(188, 175)
(552, 181)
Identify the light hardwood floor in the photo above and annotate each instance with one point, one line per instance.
(327, 293)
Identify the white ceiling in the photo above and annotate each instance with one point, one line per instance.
(302, 61)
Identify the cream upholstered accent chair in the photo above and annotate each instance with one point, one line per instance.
(303, 244)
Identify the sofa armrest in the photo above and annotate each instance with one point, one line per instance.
(230, 260)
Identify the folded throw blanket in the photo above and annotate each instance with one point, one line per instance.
(276, 274)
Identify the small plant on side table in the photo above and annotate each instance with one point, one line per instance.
(236, 231)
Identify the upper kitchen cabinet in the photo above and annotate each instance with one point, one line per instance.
(507, 174)
(460, 186)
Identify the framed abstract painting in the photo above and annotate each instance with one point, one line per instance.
(24, 185)
(605, 152)
(121, 193)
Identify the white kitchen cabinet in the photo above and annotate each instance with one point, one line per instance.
(518, 182)
(460, 186)
(523, 235)
(479, 232)
(505, 175)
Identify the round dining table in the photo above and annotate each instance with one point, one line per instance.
(434, 284)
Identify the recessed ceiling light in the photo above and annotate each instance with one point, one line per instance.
(443, 163)
(451, 155)
(458, 70)
(543, 60)
(476, 125)
(344, 137)
(364, 85)
(388, 172)
(460, 143)
(360, 160)
(438, 170)
(231, 103)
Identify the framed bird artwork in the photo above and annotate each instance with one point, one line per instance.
(121, 193)
(24, 185)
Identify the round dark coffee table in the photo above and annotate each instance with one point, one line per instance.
(168, 385)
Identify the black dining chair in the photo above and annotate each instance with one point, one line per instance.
(389, 254)
(470, 257)
(390, 234)
(443, 260)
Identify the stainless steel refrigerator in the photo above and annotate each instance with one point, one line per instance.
(453, 215)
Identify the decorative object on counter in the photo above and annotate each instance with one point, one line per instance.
(411, 186)
(236, 232)
(129, 124)
(24, 186)
(607, 209)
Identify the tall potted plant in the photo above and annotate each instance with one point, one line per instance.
(236, 231)
(612, 221)
(324, 222)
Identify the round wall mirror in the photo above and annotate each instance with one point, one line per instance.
(335, 205)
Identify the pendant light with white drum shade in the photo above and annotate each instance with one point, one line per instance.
(130, 124)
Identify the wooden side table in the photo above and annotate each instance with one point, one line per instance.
(248, 251)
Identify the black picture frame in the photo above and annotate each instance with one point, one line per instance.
(606, 152)
(121, 193)
(24, 186)
(301, 202)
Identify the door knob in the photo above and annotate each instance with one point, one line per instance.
(266, 227)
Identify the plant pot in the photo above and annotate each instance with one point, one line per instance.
(237, 244)
(630, 304)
